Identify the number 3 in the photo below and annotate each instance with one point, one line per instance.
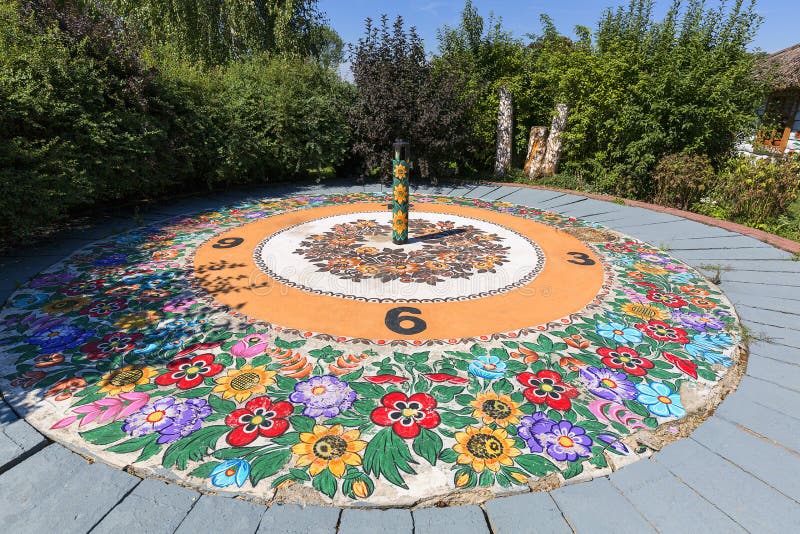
(394, 318)
(581, 258)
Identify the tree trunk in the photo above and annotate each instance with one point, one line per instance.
(505, 133)
(537, 146)
(553, 154)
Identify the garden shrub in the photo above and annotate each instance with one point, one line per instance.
(681, 180)
(758, 191)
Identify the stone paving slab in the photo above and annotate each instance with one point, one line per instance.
(769, 317)
(153, 506)
(762, 302)
(221, 514)
(530, 512)
(746, 499)
(383, 521)
(466, 518)
(18, 439)
(293, 519)
(743, 410)
(776, 372)
(56, 490)
(768, 461)
(775, 352)
(658, 494)
(744, 288)
(597, 506)
(725, 255)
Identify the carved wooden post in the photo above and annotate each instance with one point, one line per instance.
(537, 147)
(505, 133)
(553, 154)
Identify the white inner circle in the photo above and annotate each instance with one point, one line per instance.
(281, 256)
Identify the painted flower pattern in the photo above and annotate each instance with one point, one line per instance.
(323, 396)
(137, 362)
(259, 417)
(406, 415)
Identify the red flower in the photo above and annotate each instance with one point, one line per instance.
(198, 346)
(113, 343)
(189, 372)
(667, 299)
(406, 414)
(625, 358)
(259, 417)
(384, 379)
(661, 331)
(688, 367)
(104, 308)
(547, 387)
(444, 377)
(84, 287)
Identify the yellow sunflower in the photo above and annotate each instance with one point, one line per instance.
(125, 379)
(485, 448)
(399, 223)
(137, 320)
(329, 447)
(400, 194)
(649, 268)
(400, 171)
(645, 311)
(494, 408)
(242, 383)
(66, 305)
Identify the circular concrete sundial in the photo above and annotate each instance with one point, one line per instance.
(287, 349)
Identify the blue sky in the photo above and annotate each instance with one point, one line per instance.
(779, 29)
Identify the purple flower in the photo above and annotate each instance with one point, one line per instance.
(613, 441)
(323, 395)
(566, 441)
(698, 321)
(532, 426)
(52, 279)
(170, 418)
(608, 384)
(654, 258)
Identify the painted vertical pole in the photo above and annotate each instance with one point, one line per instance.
(400, 204)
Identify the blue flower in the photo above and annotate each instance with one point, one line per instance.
(59, 338)
(660, 399)
(710, 347)
(29, 300)
(490, 367)
(230, 471)
(108, 261)
(619, 332)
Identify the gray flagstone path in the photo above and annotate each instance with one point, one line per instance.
(738, 472)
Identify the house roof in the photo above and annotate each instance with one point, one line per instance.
(786, 63)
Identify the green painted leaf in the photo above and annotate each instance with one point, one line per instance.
(290, 438)
(599, 461)
(573, 470)
(514, 366)
(193, 446)
(477, 351)
(301, 423)
(503, 386)
(385, 454)
(204, 471)
(285, 383)
(269, 464)
(104, 434)
(233, 452)
(536, 465)
(281, 344)
(261, 360)
(457, 421)
(326, 483)
(367, 390)
(448, 456)
(637, 407)
(134, 444)
(221, 406)
(445, 393)
(428, 444)
(149, 451)
(364, 407)
(486, 478)
(464, 400)
(355, 375)
(299, 474)
(194, 393)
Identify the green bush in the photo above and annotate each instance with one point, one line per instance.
(681, 180)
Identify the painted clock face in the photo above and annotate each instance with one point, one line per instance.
(287, 349)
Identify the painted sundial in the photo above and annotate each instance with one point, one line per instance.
(286, 348)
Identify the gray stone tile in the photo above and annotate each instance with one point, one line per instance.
(760, 289)
(727, 255)
(749, 413)
(58, 491)
(773, 334)
(500, 193)
(768, 317)
(747, 500)
(761, 302)
(567, 199)
(597, 506)
(724, 240)
(481, 191)
(667, 502)
(531, 197)
(763, 459)
(784, 374)
(776, 351)
(465, 519)
(17, 437)
(383, 521)
(222, 514)
(777, 398)
(530, 512)
(293, 519)
(153, 506)
(755, 276)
